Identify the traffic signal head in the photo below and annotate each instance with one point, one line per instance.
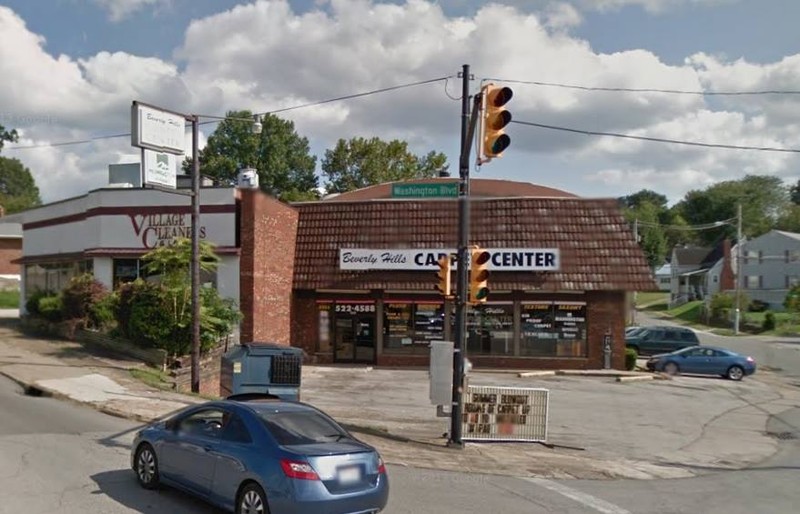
(478, 276)
(443, 277)
(495, 119)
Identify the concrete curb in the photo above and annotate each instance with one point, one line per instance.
(527, 374)
(644, 378)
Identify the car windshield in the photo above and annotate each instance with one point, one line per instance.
(302, 427)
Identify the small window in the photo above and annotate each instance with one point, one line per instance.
(206, 423)
(689, 337)
(236, 431)
(671, 335)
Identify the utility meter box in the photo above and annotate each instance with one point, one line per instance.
(441, 373)
(262, 368)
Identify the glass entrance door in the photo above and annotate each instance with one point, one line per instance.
(355, 338)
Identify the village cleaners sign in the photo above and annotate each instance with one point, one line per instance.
(162, 229)
(502, 259)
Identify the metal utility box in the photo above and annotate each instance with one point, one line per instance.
(262, 368)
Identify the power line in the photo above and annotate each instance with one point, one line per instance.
(657, 139)
(649, 90)
(217, 119)
(704, 226)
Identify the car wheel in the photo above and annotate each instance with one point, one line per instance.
(671, 368)
(735, 373)
(252, 500)
(147, 467)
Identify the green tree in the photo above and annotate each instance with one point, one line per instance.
(652, 238)
(363, 162)
(286, 168)
(7, 136)
(794, 193)
(160, 314)
(18, 190)
(644, 196)
(764, 201)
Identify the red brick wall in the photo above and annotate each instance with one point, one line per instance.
(305, 326)
(10, 249)
(268, 232)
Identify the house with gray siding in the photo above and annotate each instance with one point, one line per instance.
(771, 266)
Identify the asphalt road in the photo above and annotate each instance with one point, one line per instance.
(60, 457)
(780, 354)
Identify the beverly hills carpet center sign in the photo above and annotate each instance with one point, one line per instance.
(502, 259)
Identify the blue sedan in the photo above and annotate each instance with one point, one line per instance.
(704, 360)
(256, 454)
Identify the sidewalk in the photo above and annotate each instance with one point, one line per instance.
(599, 428)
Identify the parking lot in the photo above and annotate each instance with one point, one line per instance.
(685, 422)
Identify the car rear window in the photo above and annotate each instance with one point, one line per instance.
(690, 337)
(301, 427)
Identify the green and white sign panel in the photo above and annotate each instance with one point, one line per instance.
(429, 190)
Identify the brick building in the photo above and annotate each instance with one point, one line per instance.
(350, 278)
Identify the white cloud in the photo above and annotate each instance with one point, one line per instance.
(651, 6)
(121, 9)
(264, 56)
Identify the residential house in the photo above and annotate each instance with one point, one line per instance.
(664, 277)
(771, 266)
(699, 272)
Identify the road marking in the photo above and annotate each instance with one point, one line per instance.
(573, 494)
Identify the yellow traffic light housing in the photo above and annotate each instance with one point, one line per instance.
(443, 277)
(478, 276)
(495, 118)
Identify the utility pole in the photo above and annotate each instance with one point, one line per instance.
(635, 293)
(461, 261)
(195, 267)
(739, 270)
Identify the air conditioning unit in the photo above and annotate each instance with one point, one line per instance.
(248, 178)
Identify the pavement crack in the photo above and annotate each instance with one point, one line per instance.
(518, 494)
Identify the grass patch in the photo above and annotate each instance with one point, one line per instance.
(690, 312)
(780, 317)
(652, 299)
(153, 378)
(9, 299)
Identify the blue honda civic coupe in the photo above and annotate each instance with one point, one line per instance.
(257, 454)
(704, 360)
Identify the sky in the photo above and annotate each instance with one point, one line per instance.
(71, 68)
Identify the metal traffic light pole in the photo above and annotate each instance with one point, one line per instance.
(459, 354)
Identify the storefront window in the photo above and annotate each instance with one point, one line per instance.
(410, 327)
(125, 270)
(552, 329)
(52, 278)
(490, 330)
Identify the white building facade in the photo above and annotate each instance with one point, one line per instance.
(107, 231)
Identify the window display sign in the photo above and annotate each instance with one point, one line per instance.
(505, 414)
(570, 321)
(354, 308)
(428, 323)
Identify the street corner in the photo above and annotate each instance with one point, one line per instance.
(517, 460)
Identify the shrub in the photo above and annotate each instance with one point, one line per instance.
(50, 308)
(146, 322)
(630, 359)
(79, 298)
(757, 306)
(32, 305)
(103, 312)
(769, 321)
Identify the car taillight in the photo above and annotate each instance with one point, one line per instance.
(298, 469)
(381, 467)
(750, 359)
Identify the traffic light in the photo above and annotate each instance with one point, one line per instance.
(443, 277)
(478, 276)
(495, 118)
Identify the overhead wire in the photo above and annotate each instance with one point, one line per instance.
(657, 139)
(217, 119)
(648, 90)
